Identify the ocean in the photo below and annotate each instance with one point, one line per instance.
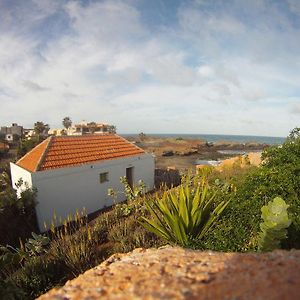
(270, 140)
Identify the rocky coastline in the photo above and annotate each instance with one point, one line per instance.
(183, 154)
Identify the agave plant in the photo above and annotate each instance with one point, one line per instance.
(184, 214)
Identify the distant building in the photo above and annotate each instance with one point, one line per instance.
(57, 132)
(90, 128)
(12, 133)
(28, 133)
(72, 172)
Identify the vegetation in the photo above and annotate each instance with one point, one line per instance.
(130, 193)
(26, 145)
(75, 247)
(273, 229)
(279, 176)
(41, 129)
(92, 126)
(187, 215)
(184, 215)
(17, 215)
(67, 122)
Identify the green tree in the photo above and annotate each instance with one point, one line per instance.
(92, 127)
(26, 145)
(112, 129)
(67, 122)
(41, 129)
(294, 134)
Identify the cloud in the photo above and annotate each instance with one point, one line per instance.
(34, 86)
(198, 71)
(294, 6)
(295, 109)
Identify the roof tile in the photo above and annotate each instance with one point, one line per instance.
(66, 151)
(31, 160)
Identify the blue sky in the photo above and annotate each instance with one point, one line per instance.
(159, 66)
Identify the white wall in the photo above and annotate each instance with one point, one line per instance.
(9, 137)
(64, 190)
(18, 173)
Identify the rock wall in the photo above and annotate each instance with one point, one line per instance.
(176, 273)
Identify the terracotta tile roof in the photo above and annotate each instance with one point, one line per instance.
(31, 160)
(65, 151)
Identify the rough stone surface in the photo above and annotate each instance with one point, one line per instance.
(176, 273)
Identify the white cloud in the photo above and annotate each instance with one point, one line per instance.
(206, 71)
(198, 75)
(295, 108)
(294, 6)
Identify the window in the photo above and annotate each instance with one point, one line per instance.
(103, 177)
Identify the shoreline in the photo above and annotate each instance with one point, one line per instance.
(241, 139)
(183, 154)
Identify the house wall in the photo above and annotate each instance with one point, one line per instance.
(63, 191)
(18, 173)
(9, 137)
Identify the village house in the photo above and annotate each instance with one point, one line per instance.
(72, 172)
(12, 133)
(90, 128)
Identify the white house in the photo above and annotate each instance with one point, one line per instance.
(72, 172)
(91, 128)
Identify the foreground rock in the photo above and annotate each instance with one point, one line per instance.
(175, 273)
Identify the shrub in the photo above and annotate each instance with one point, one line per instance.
(279, 176)
(131, 193)
(17, 216)
(27, 145)
(73, 243)
(37, 276)
(128, 234)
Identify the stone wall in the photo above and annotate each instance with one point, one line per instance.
(176, 273)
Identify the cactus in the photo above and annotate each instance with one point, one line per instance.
(274, 227)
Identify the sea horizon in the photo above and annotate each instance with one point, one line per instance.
(271, 140)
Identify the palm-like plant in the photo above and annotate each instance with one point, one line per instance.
(184, 214)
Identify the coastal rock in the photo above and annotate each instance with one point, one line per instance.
(187, 152)
(168, 153)
(176, 273)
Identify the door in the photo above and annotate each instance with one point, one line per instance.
(129, 176)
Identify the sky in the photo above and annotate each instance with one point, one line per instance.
(159, 66)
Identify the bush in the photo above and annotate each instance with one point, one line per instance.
(128, 234)
(279, 176)
(17, 216)
(37, 276)
(27, 145)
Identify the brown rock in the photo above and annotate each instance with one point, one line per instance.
(176, 273)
